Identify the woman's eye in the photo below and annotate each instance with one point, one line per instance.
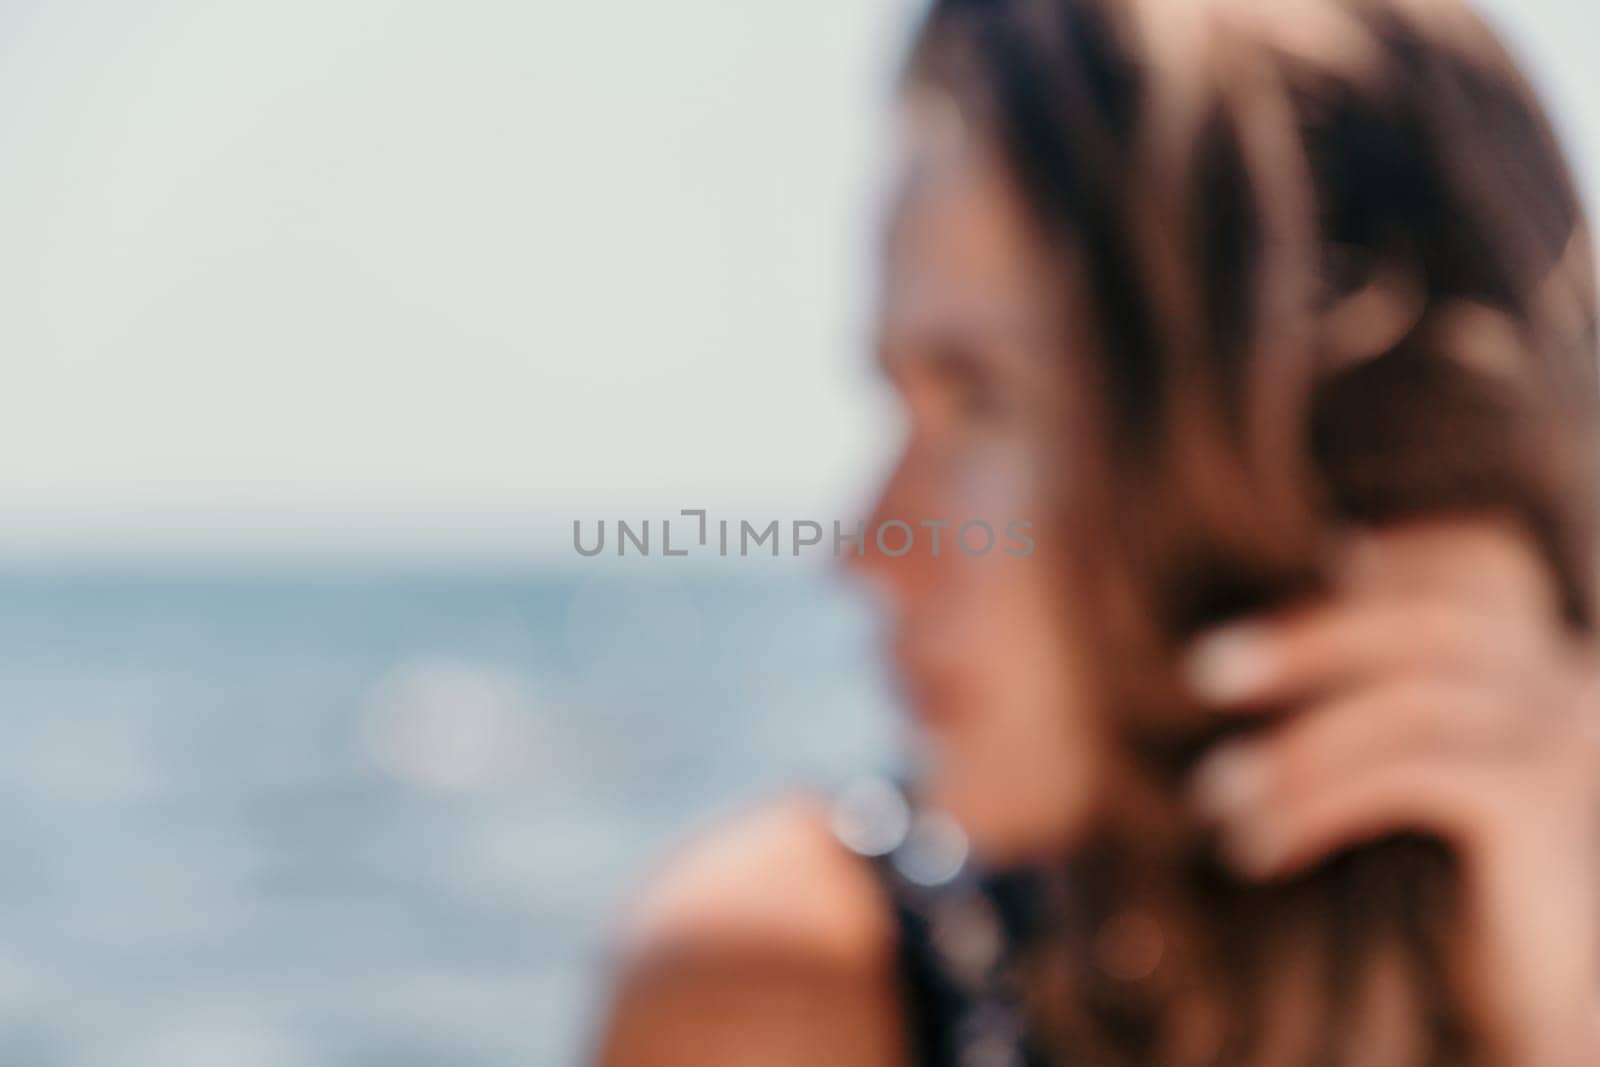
(971, 390)
(979, 401)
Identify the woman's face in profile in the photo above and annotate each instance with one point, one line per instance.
(981, 644)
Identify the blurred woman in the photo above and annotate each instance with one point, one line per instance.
(1278, 321)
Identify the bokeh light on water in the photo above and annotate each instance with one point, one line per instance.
(342, 819)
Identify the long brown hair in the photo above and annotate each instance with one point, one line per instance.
(1322, 264)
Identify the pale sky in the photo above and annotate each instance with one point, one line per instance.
(304, 277)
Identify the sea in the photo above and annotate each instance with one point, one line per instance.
(253, 817)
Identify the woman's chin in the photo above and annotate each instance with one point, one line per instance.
(1006, 822)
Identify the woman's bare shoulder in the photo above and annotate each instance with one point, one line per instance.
(760, 941)
(773, 878)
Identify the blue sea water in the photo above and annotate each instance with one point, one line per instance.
(348, 819)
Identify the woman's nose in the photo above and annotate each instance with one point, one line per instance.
(900, 504)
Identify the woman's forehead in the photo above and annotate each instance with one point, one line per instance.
(958, 244)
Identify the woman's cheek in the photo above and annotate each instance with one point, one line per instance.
(1017, 763)
(999, 482)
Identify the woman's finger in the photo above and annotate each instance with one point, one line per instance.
(1320, 748)
(1286, 801)
(1298, 655)
(1273, 838)
(1470, 593)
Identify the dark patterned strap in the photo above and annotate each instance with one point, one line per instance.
(958, 927)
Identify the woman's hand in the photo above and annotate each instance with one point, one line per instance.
(1435, 690)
